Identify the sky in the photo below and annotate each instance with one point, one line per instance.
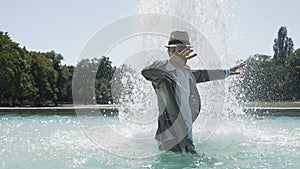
(65, 26)
(261, 20)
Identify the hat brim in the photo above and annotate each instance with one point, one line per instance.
(172, 46)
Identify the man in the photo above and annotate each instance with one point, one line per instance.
(178, 98)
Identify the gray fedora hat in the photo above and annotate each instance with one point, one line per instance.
(179, 38)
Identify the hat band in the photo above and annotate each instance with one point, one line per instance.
(176, 42)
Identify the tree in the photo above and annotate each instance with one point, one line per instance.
(104, 76)
(15, 82)
(64, 83)
(32, 76)
(45, 77)
(105, 68)
(265, 80)
(262, 80)
(283, 46)
(254, 78)
(293, 76)
(91, 81)
(63, 79)
(103, 91)
(55, 59)
(82, 84)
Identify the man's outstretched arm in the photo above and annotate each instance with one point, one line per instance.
(217, 74)
(209, 75)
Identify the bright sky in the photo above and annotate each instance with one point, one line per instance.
(262, 19)
(65, 26)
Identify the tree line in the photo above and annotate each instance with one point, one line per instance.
(40, 79)
(272, 78)
(30, 77)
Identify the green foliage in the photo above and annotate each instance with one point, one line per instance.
(92, 80)
(32, 77)
(293, 76)
(63, 83)
(272, 79)
(266, 80)
(45, 77)
(15, 81)
(103, 90)
(37, 78)
(105, 68)
(283, 46)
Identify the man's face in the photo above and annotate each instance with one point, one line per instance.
(172, 50)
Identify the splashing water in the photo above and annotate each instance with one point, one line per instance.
(229, 133)
(206, 22)
(214, 18)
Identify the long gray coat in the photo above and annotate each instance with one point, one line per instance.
(172, 129)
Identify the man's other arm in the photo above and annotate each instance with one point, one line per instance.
(154, 72)
(210, 75)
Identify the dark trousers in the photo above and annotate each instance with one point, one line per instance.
(189, 148)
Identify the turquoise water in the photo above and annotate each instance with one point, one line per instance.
(60, 142)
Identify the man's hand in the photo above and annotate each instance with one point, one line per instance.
(181, 55)
(233, 70)
(185, 54)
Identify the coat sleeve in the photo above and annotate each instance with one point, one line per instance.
(208, 75)
(154, 72)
